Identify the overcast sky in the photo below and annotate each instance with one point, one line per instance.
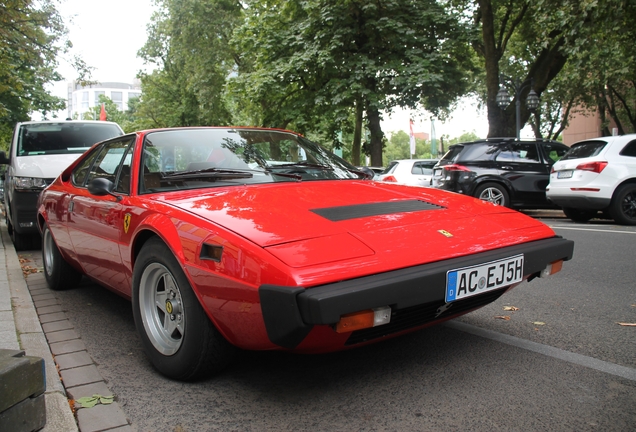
(108, 34)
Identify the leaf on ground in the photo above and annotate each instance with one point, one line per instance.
(502, 317)
(538, 323)
(91, 401)
(626, 324)
(510, 308)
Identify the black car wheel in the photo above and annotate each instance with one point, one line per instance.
(579, 215)
(180, 340)
(58, 273)
(623, 205)
(494, 193)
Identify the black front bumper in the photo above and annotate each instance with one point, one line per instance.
(291, 312)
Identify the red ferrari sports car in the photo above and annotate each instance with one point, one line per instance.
(259, 239)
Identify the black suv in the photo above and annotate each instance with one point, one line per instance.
(505, 171)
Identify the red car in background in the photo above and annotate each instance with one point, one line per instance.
(259, 239)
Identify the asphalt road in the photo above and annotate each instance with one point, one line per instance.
(561, 362)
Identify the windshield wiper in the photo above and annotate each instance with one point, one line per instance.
(302, 164)
(215, 173)
(290, 175)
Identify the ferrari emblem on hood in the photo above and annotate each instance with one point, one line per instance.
(445, 233)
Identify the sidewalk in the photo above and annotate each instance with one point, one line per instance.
(32, 320)
(20, 329)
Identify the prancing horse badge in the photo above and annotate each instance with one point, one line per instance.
(126, 222)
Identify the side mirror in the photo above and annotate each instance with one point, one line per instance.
(101, 186)
(368, 172)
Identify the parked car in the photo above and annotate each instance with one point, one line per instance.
(262, 240)
(413, 172)
(39, 152)
(505, 171)
(597, 175)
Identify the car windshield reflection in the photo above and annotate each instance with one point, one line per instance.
(212, 157)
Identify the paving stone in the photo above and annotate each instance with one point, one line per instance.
(127, 428)
(73, 360)
(58, 415)
(57, 326)
(80, 376)
(89, 390)
(49, 309)
(43, 303)
(101, 417)
(60, 336)
(66, 347)
(57, 316)
(40, 291)
(43, 296)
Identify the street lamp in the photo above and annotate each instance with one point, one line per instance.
(503, 98)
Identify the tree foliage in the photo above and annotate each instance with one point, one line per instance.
(188, 42)
(32, 34)
(306, 58)
(532, 42)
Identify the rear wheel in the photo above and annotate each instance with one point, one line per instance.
(494, 193)
(180, 340)
(58, 273)
(579, 215)
(623, 205)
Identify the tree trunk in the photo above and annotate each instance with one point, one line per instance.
(357, 135)
(373, 116)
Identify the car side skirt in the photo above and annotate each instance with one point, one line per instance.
(290, 313)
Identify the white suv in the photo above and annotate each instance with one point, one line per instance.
(595, 175)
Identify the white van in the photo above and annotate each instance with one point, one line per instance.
(39, 153)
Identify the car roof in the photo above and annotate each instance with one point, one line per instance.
(505, 140)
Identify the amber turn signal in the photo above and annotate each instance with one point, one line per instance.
(364, 319)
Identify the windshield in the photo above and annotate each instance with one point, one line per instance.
(209, 157)
(62, 138)
(585, 150)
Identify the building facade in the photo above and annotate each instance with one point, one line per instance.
(82, 98)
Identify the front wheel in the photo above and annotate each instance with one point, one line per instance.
(180, 340)
(579, 215)
(58, 273)
(494, 193)
(623, 205)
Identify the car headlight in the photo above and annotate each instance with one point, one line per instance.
(25, 183)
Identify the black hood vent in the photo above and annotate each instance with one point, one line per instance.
(342, 213)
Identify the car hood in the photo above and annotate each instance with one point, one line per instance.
(345, 219)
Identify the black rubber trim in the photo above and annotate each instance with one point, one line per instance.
(290, 312)
(341, 213)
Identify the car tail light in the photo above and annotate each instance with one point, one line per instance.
(455, 167)
(596, 167)
(390, 178)
(364, 319)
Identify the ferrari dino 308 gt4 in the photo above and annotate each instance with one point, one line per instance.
(259, 239)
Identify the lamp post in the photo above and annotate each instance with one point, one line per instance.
(503, 97)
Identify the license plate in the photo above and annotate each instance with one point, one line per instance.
(470, 281)
(565, 174)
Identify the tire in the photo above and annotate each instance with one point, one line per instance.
(180, 340)
(579, 215)
(623, 205)
(59, 274)
(494, 193)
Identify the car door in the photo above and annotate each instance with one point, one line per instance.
(96, 222)
(521, 165)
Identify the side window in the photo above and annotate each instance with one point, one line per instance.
(123, 178)
(553, 152)
(81, 171)
(478, 152)
(417, 169)
(520, 152)
(629, 149)
(109, 160)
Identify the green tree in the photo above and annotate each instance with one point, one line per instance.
(532, 41)
(188, 41)
(306, 58)
(32, 35)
